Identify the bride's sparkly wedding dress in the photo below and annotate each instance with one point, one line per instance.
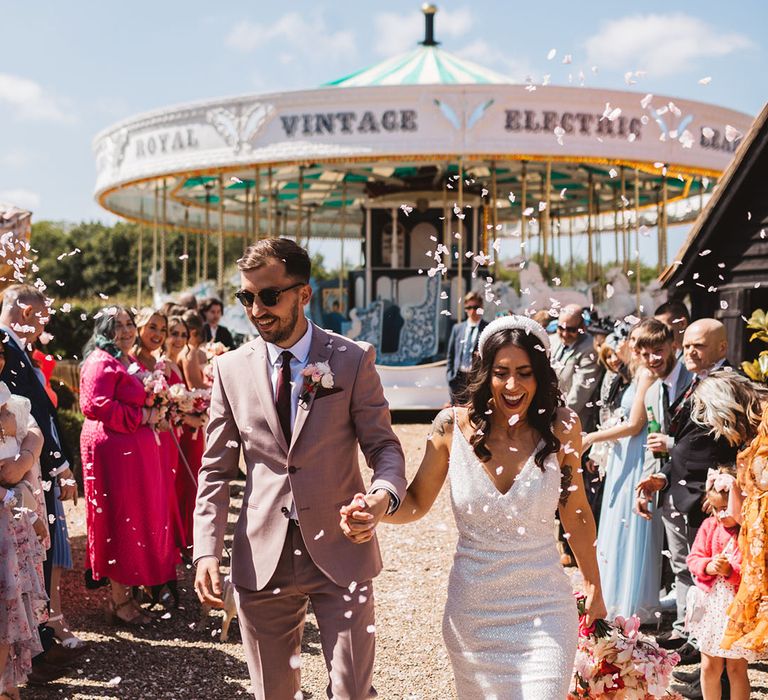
(510, 623)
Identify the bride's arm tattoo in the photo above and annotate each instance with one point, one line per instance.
(442, 421)
(566, 478)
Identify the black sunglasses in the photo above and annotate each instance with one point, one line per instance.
(472, 308)
(570, 329)
(267, 297)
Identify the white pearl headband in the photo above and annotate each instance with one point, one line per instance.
(511, 322)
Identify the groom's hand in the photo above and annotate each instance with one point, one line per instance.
(360, 518)
(208, 582)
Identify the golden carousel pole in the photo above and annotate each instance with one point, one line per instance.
(659, 226)
(637, 239)
(185, 259)
(547, 227)
(140, 256)
(590, 207)
(257, 206)
(155, 224)
(598, 238)
(207, 228)
(523, 207)
(616, 225)
(701, 194)
(460, 270)
(664, 220)
(270, 213)
(198, 258)
(494, 219)
(570, 249)
(343, 232)
(624, 228)
(163, 235)
(247, 215)
(446, 226)
(220, 251)
(300, 206)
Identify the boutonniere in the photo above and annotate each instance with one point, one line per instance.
(315, 376)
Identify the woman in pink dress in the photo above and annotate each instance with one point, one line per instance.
(130, 532)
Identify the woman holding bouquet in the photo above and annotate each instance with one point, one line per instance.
(192, 358)
(513, 453)
(130, 535)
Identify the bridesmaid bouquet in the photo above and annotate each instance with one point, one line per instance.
(188, 402)
(615, 661)
(158, 392)
(212, 351)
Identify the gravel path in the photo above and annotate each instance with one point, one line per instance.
(181, 657)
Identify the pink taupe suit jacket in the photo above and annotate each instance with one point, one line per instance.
(318, 471)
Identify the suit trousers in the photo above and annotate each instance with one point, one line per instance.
(272, 622)
(680, 537)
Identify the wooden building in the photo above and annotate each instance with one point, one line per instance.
(722, 268)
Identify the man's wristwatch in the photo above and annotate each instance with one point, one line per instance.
(394, 503)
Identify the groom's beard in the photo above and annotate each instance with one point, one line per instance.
(282, 328)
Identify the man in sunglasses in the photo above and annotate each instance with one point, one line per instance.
(462, 346)
(296, 403)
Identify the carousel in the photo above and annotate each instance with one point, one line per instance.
(440, 175)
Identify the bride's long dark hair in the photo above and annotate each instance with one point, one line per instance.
(542, 412)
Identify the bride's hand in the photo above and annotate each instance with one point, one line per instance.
(587, 441)
(356, 523)
(595, 607)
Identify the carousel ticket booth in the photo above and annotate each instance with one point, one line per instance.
(425, 166)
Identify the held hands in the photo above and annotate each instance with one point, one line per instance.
(719, 566)
(360, 518)
(208, 582)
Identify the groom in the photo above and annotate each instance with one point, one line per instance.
(298, 434)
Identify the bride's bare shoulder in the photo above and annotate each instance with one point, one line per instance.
(443, 423)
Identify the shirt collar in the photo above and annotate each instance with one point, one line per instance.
(300, 350)
(706, 373)
(15, 337)
(671, 379)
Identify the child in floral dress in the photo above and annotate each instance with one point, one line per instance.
(715, 562)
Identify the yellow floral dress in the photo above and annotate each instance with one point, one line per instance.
(747, 629)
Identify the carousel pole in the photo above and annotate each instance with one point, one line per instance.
(570, 248)
(616, 225)
(659, 227)
(247, 215)
(460, 267)
(665, 221)
(207, 228)
(559, 238)
(624, 228)
(637, 239)
(300, 207)
(198, 259)
(494, 217)
(140, 256)
(394, 260)
(475, 230)
(547, 223)
(155, 225)
(701, 194)
(343, 236)
(270, 232)
(446, 227)
(220, 251)
(257, 206)
(163, 236)
(368, 261)
(598, 238)
(523, 207)
(185, 253)
(590, 211)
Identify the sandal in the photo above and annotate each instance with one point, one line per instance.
(111, 616)
(63, 634)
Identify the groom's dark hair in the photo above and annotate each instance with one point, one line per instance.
(296, 259)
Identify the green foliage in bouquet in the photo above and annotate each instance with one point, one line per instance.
(757, 370)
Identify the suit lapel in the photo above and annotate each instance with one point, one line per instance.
(260, 367)
(320, 350)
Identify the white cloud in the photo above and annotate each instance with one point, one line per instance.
(29, 100)
(310, 36)
(662, 44)
(15, 158)
(24, 199)
(399, 32)
(480, 51)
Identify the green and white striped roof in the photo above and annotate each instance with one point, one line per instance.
(426, 65)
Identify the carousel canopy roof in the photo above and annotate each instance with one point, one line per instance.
(426, 65)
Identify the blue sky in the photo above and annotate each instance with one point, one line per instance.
(67, 70)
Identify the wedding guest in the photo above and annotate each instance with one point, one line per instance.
(686, 451)
(23, 317)
(152, 330)
(715, 562)
(188, 300)
(192, 358)
(212, 309)
(462, 346)
(130, 533)
(629, 549)
(191, 440)
(675, 314)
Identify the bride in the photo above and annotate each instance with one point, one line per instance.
(513, 454)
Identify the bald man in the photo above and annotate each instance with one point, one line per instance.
(692, 450)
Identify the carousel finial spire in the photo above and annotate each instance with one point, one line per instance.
(429, 11)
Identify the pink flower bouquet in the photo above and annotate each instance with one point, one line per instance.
(614, 660)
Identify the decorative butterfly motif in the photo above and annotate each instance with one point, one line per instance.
(457, 120)
(239, 128)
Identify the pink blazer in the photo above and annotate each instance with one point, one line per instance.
(319, 470)
(711, 540)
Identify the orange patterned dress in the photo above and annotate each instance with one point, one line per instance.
(747, 625)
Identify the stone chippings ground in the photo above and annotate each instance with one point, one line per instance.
(181, 657)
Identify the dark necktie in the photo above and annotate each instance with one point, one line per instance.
(283, 400)
(665, 408)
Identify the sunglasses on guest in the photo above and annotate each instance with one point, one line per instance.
(267, 297)
(569, 329)
(472, 308)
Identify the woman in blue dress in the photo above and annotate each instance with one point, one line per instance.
(628, 546)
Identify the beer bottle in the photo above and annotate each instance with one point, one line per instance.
(654, 427)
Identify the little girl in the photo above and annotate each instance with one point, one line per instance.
(715, 562)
